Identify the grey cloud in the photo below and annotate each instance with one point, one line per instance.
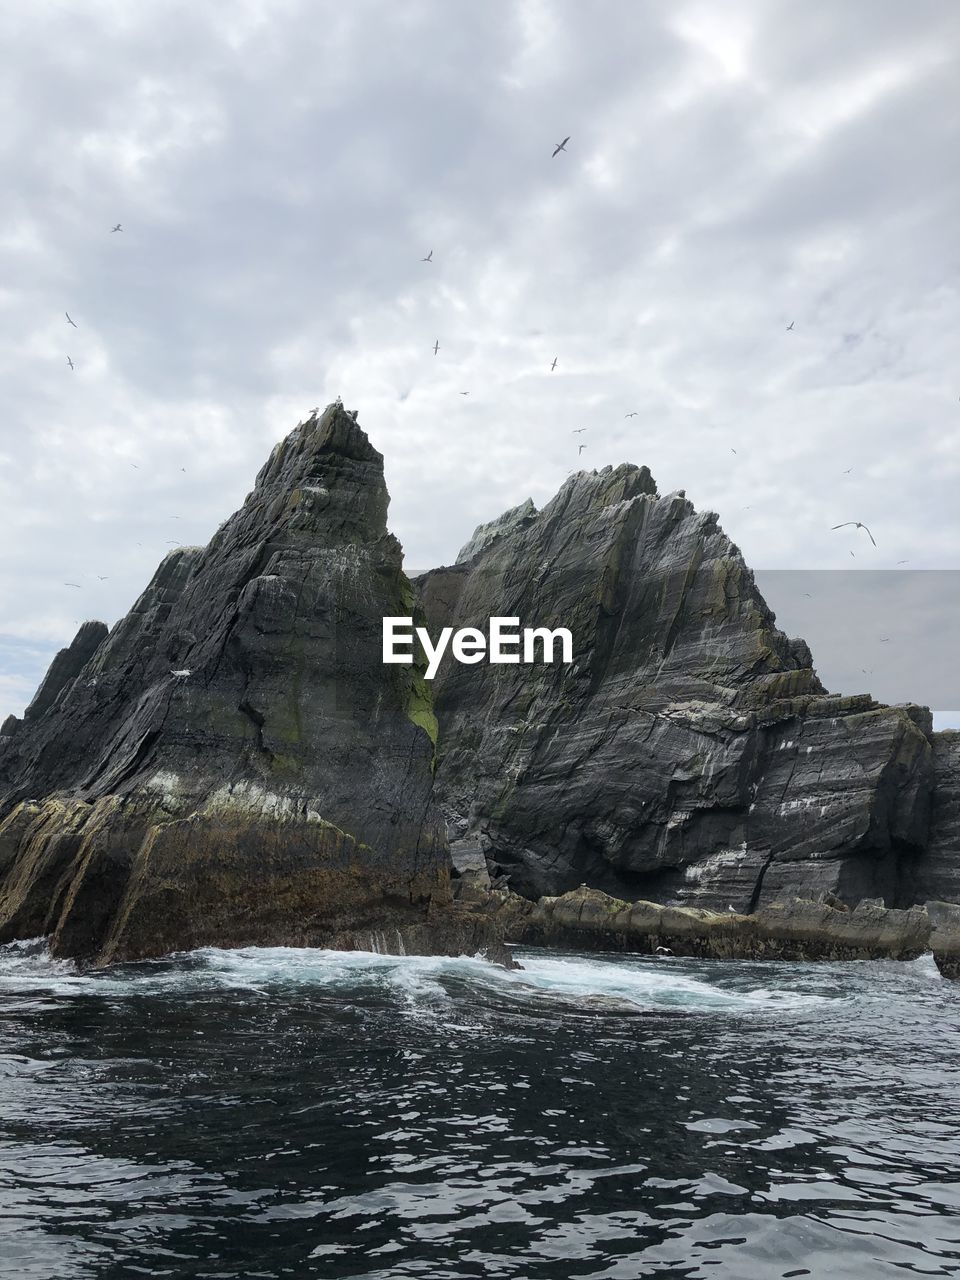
(279, 171)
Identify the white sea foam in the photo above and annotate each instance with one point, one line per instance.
(632, 982)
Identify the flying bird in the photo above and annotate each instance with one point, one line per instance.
(561, 146)
(69, 362)
(464, 393)
(436, 346)
(732, 450)
(858, 524)
(578, 431)
(554, 365)
(903, 562)
(135, 467)
(635, 414)
(790, 325)
(848, 470)
(73, 584)
(428, 258)
(69, 321)
(580, 449)
(116, 228)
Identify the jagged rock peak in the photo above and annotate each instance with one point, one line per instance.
(234, 763)
(584, 491)
(65, 668)
(303, 453)
(486, 534)
(610, 484)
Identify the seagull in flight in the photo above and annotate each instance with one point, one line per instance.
(464, 393)
(69, 362)
(554, 365)
(436, 346)
(578, 431)
(580, 449)
(102, 577)
(561, 146)
(116, 228)
(428, 258)
(858, 524)
(73, 584)
(903, 562)
(732, 450)
(69, 321)
(790, 325)
(848, 470)
(634, 414)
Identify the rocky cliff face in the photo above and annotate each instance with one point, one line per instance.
(690, 753)
(233, 764)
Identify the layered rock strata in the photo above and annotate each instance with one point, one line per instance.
(232, 764)
(792, 930)
(690, 753)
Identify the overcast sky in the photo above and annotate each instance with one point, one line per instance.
(280, 169)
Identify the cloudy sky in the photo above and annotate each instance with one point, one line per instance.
(281, 167)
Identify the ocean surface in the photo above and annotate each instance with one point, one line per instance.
(298, 1113)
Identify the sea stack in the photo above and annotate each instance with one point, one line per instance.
(690, 753)
(232, 764)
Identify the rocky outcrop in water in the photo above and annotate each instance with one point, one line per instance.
(690, 753)
(233, 764)
(792, 930)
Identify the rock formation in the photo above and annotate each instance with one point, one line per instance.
(233, 764)
(793, 930)
(690, 753)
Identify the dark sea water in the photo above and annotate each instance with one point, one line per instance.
(268, 1113)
